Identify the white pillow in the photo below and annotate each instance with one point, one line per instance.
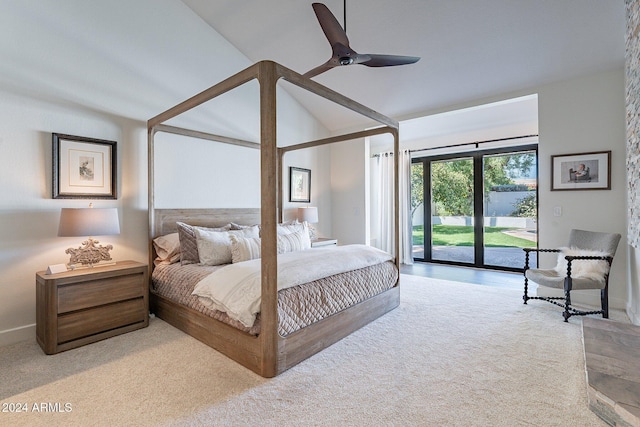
(291, 227)
(297, 241)
(585, 269)
(214, 247)
(244, 249)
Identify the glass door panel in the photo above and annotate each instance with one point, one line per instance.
(510, 208)
(452, 211)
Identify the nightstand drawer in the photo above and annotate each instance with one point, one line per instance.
(78, 296)
(89, 322)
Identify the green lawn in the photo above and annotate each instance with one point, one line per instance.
(454, 235)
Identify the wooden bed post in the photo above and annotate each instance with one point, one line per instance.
(279, 184)
(150, 198)
(269, 195)
(396, 192)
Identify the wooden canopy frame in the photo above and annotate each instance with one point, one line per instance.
(269, 354)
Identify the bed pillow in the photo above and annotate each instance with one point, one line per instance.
(295, 225)
(296, 241)
(244, 248)
(290, 227)
(188, 243)
(214, 247)
(586, 269)
(235, 226)
(167, 249)
(313, 233)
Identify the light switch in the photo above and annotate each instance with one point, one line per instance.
(557, 211)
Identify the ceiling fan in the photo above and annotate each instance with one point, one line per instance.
(342, 52)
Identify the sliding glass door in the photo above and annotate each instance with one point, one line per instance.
(510, 207)
(452, 210)
(477, 209)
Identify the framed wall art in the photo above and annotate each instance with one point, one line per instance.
(83, 168)
(582, 171)
(299, 185)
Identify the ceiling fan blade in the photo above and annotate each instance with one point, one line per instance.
(330, 25)
(361, 58)
(319, 69)
(389, 60)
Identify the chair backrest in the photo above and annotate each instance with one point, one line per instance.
(595, 241)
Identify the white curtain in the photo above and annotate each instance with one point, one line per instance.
(382, 197)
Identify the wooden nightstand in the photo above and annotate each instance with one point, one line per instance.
(323, 241)
(82, 306)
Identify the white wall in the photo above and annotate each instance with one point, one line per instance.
(578, 116)
(318, 160)
(101, 69)
(349, 166)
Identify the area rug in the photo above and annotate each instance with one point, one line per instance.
(451, 354)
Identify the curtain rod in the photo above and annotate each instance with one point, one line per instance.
(476, 143)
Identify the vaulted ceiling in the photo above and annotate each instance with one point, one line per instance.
(469, 49)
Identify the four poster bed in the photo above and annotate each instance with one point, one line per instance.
(291, 322)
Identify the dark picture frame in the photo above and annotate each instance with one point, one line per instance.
(299, 185)
(84, 168)
(581, 171)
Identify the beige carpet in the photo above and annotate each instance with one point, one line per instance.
(452, 354)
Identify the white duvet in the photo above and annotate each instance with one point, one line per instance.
(236, 288)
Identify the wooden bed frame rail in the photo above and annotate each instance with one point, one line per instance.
(268, 354)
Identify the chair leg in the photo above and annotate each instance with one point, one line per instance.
(604, 299)
(567, 303)
(526, 286)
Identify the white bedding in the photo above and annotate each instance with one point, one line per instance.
(236, 288)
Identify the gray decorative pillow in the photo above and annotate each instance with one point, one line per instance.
(188, 243)
(214, 247)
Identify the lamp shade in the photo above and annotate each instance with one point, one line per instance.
(88, 222)
(309, 214)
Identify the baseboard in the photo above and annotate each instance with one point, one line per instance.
(15, 335)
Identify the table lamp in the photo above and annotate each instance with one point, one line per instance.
(309, 214)
(76, 222)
